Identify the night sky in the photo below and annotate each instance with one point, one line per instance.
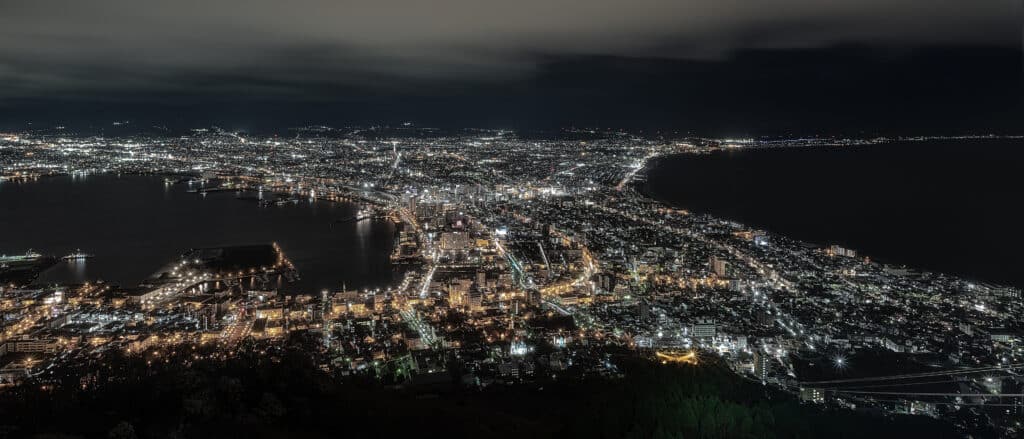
(770, 67)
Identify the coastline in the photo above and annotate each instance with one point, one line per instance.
(300, 240)
(770, 222)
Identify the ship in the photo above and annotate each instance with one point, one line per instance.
(362, 214)
(21, 270)
(29, 256)
(77, 256)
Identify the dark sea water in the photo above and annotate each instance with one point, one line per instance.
(947, 206)
(136, 224)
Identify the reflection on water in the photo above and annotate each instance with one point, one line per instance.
(135, 224)
(78, 268)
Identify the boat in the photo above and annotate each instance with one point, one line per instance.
(77, 256)
(29, 256)
(362, 214)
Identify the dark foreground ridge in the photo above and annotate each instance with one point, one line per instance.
(283, 394)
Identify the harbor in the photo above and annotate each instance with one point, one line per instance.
(102, 246)
(21, 269)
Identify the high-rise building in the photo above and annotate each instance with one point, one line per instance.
(762, 365)
(644, 311)
(458, 292)
(704, 328)
(476, 297)
(718, 266)
(835, 250)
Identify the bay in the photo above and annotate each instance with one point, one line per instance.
(133, 225)
(951, 206)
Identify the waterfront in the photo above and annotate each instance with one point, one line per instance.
(133, 225)
(950, 206)
(496, 232)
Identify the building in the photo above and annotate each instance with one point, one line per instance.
(459, 290)
(762, 365)
(31, 345)
(16, 371)
(835, 250)
(718, 266)
(812, 395)
(704, 329)
(144, 297)
(455, 241)
(644, 311)
(476, 297)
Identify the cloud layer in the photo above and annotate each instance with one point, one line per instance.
(191, 46)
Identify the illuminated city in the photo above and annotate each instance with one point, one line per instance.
(524, 260)
(491, 219)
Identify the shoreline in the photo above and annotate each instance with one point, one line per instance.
(641, 184)
(157, 179)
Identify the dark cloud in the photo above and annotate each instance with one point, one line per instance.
(707, 66)
(98, 47)
(854, 90)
